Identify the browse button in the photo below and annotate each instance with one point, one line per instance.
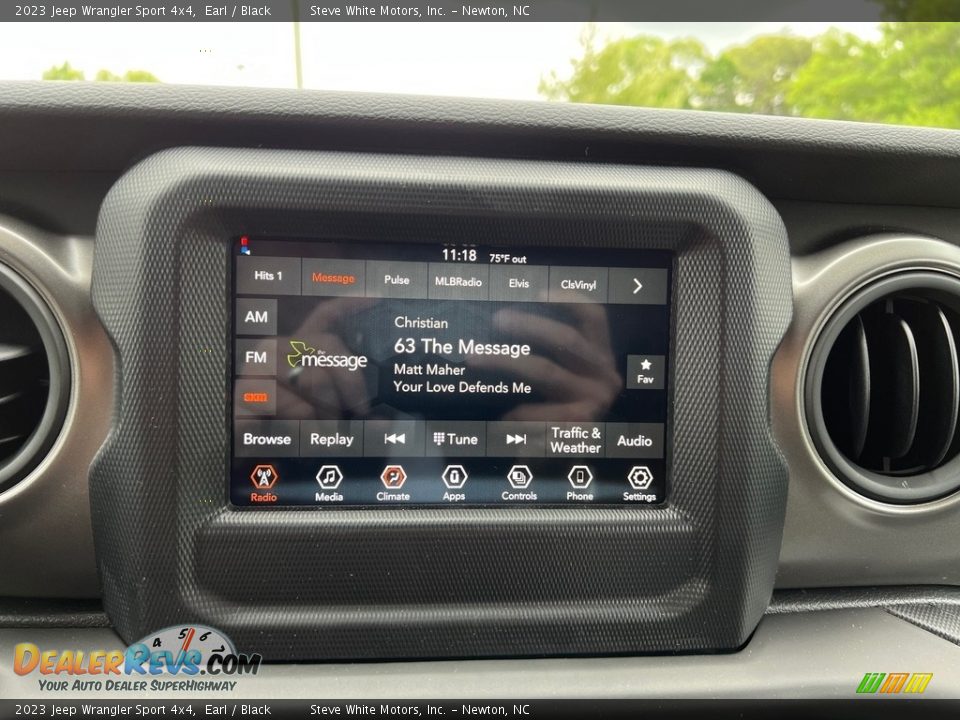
(267, 438)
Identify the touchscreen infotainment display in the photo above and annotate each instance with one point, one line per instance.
(399, 374)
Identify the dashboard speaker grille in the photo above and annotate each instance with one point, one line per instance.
(886, 379)
(33, 378)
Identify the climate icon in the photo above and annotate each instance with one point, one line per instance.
(393, 476)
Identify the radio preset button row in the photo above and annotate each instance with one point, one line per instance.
(264, 275)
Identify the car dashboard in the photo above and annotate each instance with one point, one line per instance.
(495, 397)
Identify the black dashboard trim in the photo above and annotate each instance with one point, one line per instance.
(428, 583)
(93, 132)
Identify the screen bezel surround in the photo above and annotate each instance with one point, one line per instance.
(693, 575)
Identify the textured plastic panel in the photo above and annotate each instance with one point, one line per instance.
(325, 584)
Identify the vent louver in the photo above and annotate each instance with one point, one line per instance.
(886, 389)
(33, 378)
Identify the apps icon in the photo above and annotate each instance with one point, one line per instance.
(454, 476)
(393, 476)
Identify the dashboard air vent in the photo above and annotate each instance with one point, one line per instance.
(33, 378)
(885, 389)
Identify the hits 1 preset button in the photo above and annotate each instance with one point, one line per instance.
(258, 275)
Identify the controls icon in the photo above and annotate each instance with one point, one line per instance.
(329, 477)
(264, 477)
(640, 477)
(395, 439)
(393, 476)
(513, 439)
(520, 477)
(454, 476)
(580, 476)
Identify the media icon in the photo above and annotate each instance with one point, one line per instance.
(520, 477)
(264, 477)
(329, 477)
(580, 476)
(516, 439)
(454, 476)
(395, 438)
(640, 477)
(393, 476)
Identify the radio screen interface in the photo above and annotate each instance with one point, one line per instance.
(379, 374)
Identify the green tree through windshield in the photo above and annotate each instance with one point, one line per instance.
(909, 75)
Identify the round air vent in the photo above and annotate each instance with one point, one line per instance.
(883, 389)
(34, 378)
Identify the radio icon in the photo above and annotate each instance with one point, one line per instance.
(264, 477)
(520, 477)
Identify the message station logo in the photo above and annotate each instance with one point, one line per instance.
(304, 356)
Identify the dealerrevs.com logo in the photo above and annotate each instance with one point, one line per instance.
(190, 658)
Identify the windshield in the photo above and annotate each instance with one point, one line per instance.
(885, 72)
